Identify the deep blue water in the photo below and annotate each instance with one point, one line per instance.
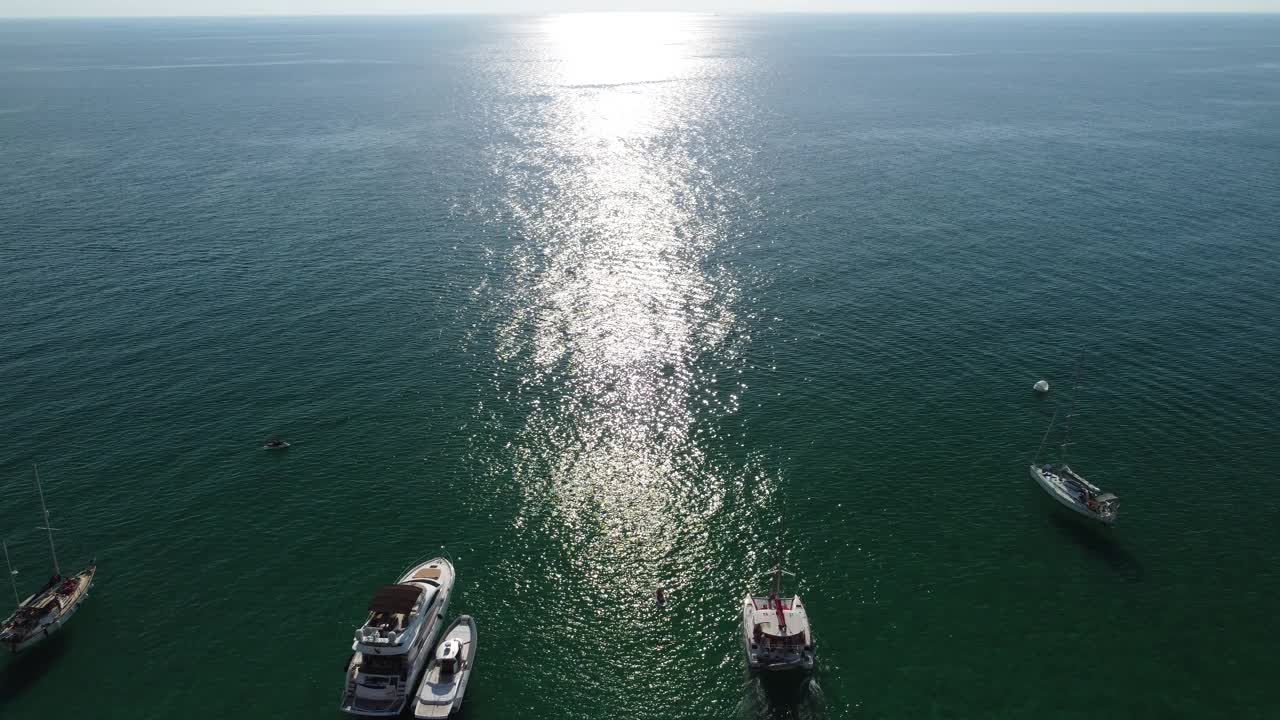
(606, 302)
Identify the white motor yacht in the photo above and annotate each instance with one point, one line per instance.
(445, 682)
(394, 644)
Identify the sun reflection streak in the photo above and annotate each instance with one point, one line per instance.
(610, 49)
(614, 306)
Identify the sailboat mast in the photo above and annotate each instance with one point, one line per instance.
(47, 525)
(1044, 439)
(13, 574)
(1066, 439)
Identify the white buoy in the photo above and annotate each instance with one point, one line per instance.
(1041, 387)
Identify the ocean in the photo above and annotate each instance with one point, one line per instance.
(602, 303)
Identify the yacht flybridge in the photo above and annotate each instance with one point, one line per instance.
(776, 630)
(394, 644)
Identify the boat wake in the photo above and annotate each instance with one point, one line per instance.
(774, 697)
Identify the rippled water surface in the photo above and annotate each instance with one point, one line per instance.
(606, 302)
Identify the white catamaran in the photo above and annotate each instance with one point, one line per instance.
(1066, 485)
(395, 642)
(776, 631)
(48, 609)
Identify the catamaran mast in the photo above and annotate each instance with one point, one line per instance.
(13, 574)
(778, 572)
(47, 525)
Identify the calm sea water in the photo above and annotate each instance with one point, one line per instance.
(600, 303)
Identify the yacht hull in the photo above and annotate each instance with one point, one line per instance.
(1059, 492)
(391, 699)
(47, 630)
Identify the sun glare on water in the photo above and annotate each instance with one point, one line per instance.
(613, 304)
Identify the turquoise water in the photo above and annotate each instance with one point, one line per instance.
(602, 303)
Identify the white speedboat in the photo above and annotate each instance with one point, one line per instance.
(776, 630)
(47, 610)
(393, 645)
(445, 682)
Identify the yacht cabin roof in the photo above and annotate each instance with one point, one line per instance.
(395, 599)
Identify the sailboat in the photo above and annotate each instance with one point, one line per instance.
(48, 609)
(776, 629)
(1066, 485)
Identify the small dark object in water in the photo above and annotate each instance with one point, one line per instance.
(662, 597)
(276, 445)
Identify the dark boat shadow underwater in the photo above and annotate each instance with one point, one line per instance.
(783, 696)
(19, 672)
(1098, 541)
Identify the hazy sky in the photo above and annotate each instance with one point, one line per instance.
(45, 8)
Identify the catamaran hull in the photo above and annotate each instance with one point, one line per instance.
(805, 664)
(787, 662)
(1066, 500)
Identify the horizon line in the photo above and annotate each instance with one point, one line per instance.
(918, 13)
